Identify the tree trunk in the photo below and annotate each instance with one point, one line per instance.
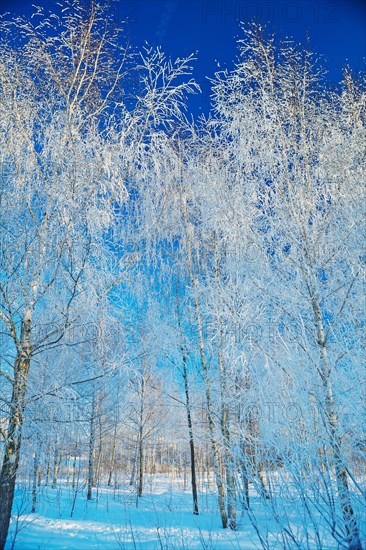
(14, 433)
(40, 475)
(241, 445)
(225, 430)
(141, 468)
(98, 468)
(91, 449)
(74, 471)
(35, 478)
(56, 466)
(141, 444)
(215, 452)
(191, 440)
(349, 518)
(211, 423)
(189, 421)
(68, 468)
(48, 468)
(113, 455)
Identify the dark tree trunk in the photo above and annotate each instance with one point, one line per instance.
(35, 478)
(91, 449)
(191, 440)
(141, 440)
(114, 442)
(14, 436)
(189, 419)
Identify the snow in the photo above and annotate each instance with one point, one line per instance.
(163, 520)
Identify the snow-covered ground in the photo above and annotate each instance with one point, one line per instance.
(163, 520)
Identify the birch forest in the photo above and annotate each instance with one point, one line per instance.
(181, 298)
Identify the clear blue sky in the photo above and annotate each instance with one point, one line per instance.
(337, 29)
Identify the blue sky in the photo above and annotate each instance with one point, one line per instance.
(337, 29)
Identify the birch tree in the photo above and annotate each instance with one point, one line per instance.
(64, 83)
(304, 156)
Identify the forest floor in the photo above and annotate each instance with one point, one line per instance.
(163, 520)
